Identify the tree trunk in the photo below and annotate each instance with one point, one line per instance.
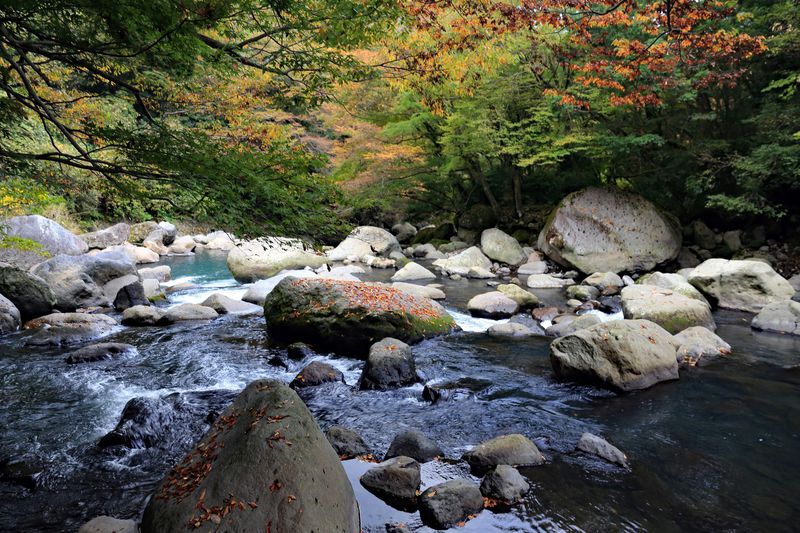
(477, 174)
(516, 182)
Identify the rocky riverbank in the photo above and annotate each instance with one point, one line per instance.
(631, 266)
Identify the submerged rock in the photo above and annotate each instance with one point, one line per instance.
(600, 447)
(672, 311)
(346, 442)
(414, 444)
(348, 317)
(390, 364)
(68, 329)
(100, 352)
(740, 284)
(779, 317)
(504, 483)
(623, 355)
(316, 373)
(29, 293)
(267, 452)
(446, 504)
(604, 229)
(513, 450)
(395, 481)
(697, 346)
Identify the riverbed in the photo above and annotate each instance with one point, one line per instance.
(718, 449)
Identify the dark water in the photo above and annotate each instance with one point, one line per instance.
(717, 450)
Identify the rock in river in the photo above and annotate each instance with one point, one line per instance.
(600, 447)
(68, 329)
(112, 236)
(101, 351)
(504, 483)
(346, 442)
(29, 293)
(316, 373)
(107, 524)
(263, 258)
(446, 504)
(740, 284)
(698, 346)
(672, 311)
(606, 229)
(347, 317)
(9, 316)
(390, 364)
(493, 305)
(414, 444)
(623, 355)
(365, 241)
(514, 450)
(395, 481)
(267, 453)
(502, 247)
(779, 317)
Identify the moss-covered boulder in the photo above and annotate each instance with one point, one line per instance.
(263, 466)
(348, 317)
(671, 310)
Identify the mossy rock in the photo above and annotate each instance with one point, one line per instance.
(347, 317)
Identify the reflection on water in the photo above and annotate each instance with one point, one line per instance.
(716, 450)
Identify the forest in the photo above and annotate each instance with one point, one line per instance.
(395, 266)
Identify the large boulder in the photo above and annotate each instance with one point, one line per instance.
(779, 317)
(10, 319)
(604, 229)
(463, 261)
(137, 254)
(188, 311)
(78, 281)
(623, 355)
(740, 284)
(347, 317)
(68, 329)
(184, 245)
(404, 232)
(130, 295)
(493, 305)
(674, 282)
(53, 237)
(29, 293)
(142, 315)
(364, 241)
(502, 247)
(446, 504)
(672, 311)
(514, 450)
(267, 453)
(113, 236)
(390, 364)
(263, 258)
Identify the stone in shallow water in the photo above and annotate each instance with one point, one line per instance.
(390, 364)
(316, 373)
(504, 483)
(697, 346)
(107, 524)
(446, 504)
(414, 444)
(346, 442)
(100, 352)
(514, 450)
(600, 447)
(779, 317)
(493, 305)
(395, 481)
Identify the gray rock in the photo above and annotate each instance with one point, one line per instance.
(604, 229)
(623, 355)
(390, 364)
(733, 240)
(697, 346)
(794, 281)
(672, 311)
(152, 290)
(493, 304)
(420, 291)
(266, 449)
(395, 481)
(740, 284)
(532, 267)
(107, 524)
(113, 236)
(514, 450)
(226, 305)
(603, 281)
(674, 282)
(687, 258)
(141, 230)
(470, 258)
(583, 292)
(68, 329)
(130, 295)
(299, 350)
(703, 236)
(510, 329)
(571, 325)
(546, 281)
(142, 315)
(502, 247)
(446, 504)
(600, 447)
(182, 246)
(55, 238)
(10, 319)
(413, 272)
(346, 442)
(414, 444)
(316, 373)
(161, 273)
(525, 299)
(364, 241)
(779, 317)
(404, 232)
(78, 281)
(504, 483)
(29, 293)
(100, 352)
(264, 258)
(183, 312)
(136, 254)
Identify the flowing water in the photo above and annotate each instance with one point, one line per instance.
(717, 450)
